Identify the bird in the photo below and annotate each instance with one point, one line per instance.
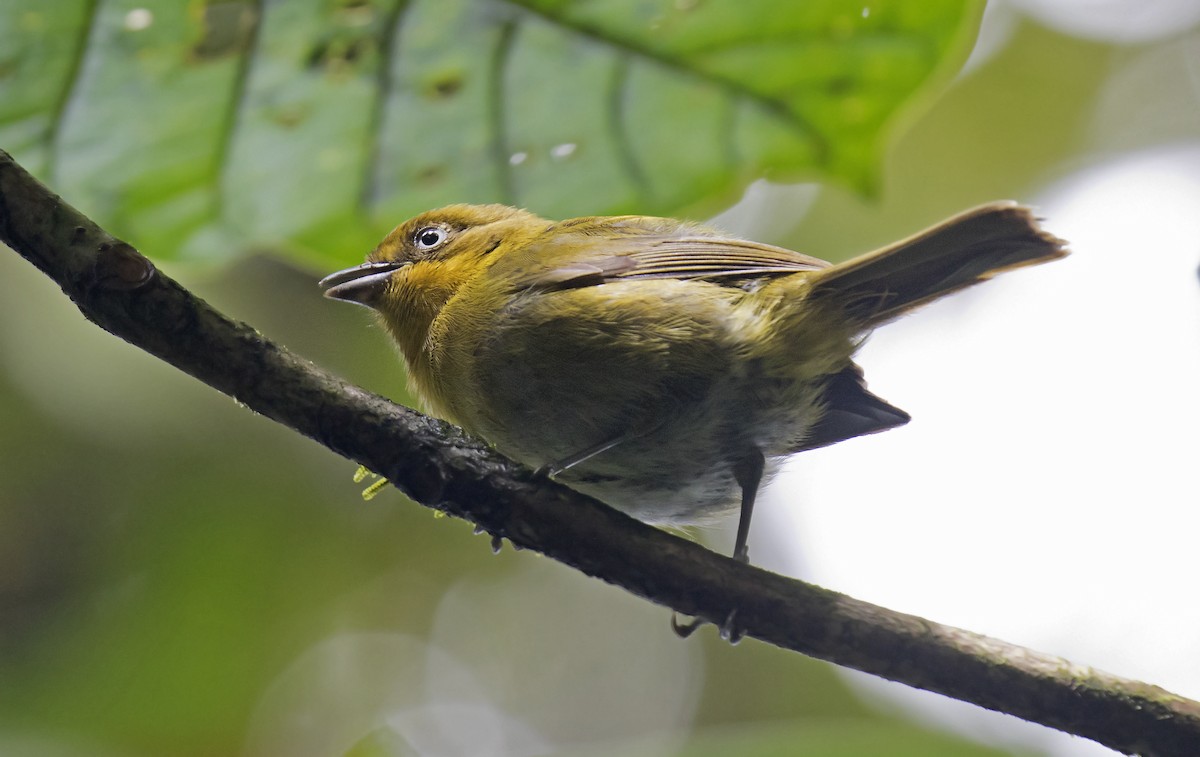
(660, 366)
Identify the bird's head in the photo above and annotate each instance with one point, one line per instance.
(431, 255)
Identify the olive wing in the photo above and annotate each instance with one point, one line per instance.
(598, 254)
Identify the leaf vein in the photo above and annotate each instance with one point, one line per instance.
(618, 124)
(384, 81)
(497, 109)
(59, 111)
(233, 114)
(778, 107)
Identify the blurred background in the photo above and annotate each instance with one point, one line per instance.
(181, 577)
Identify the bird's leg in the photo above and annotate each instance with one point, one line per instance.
(748, 473)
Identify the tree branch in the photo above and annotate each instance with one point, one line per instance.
(437, 465)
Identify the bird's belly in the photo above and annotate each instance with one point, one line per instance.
(665, 501)
(683, 471)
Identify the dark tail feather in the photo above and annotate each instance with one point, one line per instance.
(850, 411)
(964, 250)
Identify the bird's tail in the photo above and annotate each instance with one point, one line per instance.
(964, 250)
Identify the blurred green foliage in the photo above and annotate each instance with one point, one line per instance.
(202, 129)
(180, 577)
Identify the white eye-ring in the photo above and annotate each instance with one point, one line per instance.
(430, 237)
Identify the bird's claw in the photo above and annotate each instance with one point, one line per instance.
(729, 631)
(684, 630)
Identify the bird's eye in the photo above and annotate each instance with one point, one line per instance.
(430, 237)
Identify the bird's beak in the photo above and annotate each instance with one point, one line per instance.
(363, 284)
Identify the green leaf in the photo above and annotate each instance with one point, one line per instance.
(205, 129)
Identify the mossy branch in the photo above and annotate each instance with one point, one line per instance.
(121, 291)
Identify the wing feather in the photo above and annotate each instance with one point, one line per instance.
(597, 259)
